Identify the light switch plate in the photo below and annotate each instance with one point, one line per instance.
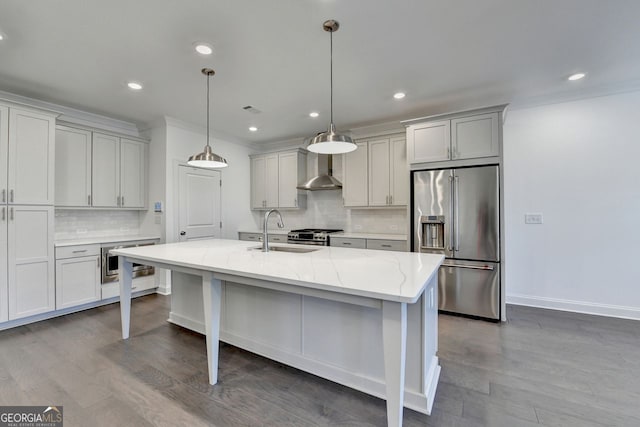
(533, 218)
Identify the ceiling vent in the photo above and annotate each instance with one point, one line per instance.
(251, 109)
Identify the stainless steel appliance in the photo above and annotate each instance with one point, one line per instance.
(456, 212)
(110, 264)
(311, 236)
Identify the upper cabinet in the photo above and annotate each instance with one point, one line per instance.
(461, 137)
(274, 178)
(27, 156)
(376, 174)
(99, 170)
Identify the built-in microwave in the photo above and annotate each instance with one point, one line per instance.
(111, 265)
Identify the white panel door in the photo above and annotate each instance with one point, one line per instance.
(354, 177)
(429, 142)
(288, 180)
(475, 136)
(105, 171)
(379, 170)
(4, 292)
(73, 167)
(271, 180)
(77, 281)
(132, 173)
(31, 158)
(399, 171)
(4, 152)
(199, 204)
(30, 261)
(258, 184)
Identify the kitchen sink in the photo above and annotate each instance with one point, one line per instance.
(291, 249)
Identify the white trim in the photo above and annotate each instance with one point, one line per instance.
(171, 121)
(75, 116)
(186, 322)
(623, 312)
(164, 289)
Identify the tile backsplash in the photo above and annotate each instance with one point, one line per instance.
(325, 210)
(78, 224)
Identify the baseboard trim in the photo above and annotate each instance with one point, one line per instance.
(164, 290)
(607, 310)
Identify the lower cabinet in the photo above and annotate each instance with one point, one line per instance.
(364, 243)
(257, 237)
(77, 275)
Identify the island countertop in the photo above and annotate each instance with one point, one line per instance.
(385, 275)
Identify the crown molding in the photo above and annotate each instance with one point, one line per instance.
(74, 116)
(172, 121)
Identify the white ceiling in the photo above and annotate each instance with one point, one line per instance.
(446, 54)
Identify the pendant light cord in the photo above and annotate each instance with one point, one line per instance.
(331, 72)
(208, 78)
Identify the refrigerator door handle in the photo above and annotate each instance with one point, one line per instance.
(472, 267)
(451, 247)
(456, 183)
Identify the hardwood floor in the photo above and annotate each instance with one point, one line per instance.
(542, 367)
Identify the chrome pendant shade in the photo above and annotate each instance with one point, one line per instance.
(331, 142)
(208, 159)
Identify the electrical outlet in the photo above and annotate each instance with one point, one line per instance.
(533, 218)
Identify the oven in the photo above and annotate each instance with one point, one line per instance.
(111, 266)
(311, 236)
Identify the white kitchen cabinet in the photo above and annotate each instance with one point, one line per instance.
(30, 158)
(73, 167)
(355, 184)
(366, 243)
(105, 171)
(4, 292)
(118, 172)
(348, 242)
(376, 174)
(132, 173)
(77, 275)
(31, 285)
(465, 136)
(274, 178)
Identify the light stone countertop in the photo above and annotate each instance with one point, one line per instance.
(386, 275)
(375, 236)
(104, 239)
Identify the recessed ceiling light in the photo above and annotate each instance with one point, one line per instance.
(399, 95)
(134, 85)
(253, 129)
(1, 36)
(314, 114)
(576, 76)
(204, 48)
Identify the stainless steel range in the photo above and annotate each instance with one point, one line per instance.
(311, 236)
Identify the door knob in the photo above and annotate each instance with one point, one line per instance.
(182, 233)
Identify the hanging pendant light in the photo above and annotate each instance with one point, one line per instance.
(207, 159)
(330, 142)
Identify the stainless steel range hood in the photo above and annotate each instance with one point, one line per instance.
(324, 180)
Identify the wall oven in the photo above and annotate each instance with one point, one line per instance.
(111, 266)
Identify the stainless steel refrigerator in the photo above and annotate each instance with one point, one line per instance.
(456, 212)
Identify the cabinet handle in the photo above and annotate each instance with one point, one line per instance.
(4, 195)
(89, 200)
(79, 252)
(385, 246)
(346, 243)
(391, 199)
(121, 200)
(11, 196)
(118, 201)
(449, 153)
(3, 213)
(10, 214)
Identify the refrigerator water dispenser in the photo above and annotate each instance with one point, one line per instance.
(432, 231)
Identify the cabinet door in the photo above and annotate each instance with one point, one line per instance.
(399, 175)
(271, 181)
(132, 174)
(73, 167)
(4, 152)
(77, 281)
(258, 183)
(31, 157)
(4, 303)
(105, 172)
(355, 187)
(379, 172)
(288, 180)
(475, 136)
(30, 261)
(429, 142)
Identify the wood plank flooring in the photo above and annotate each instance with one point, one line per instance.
(541, 368)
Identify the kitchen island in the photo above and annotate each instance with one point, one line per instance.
(366, 319)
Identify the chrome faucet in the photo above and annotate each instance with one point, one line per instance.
(265, 234)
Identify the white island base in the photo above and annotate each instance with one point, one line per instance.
(336, 340)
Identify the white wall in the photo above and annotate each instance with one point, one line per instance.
(577, 163)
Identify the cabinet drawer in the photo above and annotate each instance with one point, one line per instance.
(77, 251)
(253, 237)
(387, 245)
(348, 242)
(280, 238)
